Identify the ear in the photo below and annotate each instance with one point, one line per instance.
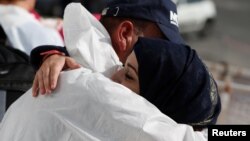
(125, 35)
(123, 38)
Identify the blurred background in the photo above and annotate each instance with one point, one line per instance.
(223, 42)
(55, 8)
(219, 31)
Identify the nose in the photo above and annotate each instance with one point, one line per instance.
(118, 76)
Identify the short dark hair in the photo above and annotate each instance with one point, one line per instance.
(110, 23)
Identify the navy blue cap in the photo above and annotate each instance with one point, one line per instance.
(161, 12)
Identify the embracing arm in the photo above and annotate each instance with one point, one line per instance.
(49, 61)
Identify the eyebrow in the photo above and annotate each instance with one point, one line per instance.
(129, 65)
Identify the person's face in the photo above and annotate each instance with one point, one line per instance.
(123, 39)
(124, 35)
(128, 75)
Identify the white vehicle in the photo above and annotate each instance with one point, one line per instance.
(196, 16)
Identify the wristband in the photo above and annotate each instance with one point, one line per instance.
(47, 54)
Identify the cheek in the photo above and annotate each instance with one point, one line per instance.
(132, 86)
(119, 77)
(114, 41)
(115, 46)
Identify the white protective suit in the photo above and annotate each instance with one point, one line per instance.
(87, 106)
(24, 32)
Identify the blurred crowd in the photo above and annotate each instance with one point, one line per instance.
(56, 7)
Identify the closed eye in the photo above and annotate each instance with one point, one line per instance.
(129, 77)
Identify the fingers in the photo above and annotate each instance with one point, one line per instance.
(46, 81)
(39, 75)
(35, 87)
(41, 83)
(54, 75)
(71, 63)
(55, 71)
(50, 71)
(47, 76)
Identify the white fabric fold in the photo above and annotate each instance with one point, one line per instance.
(88, 42)
(89, 107)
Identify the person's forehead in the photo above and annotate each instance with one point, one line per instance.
(132, 61)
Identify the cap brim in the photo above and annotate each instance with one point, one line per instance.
(172, 35)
